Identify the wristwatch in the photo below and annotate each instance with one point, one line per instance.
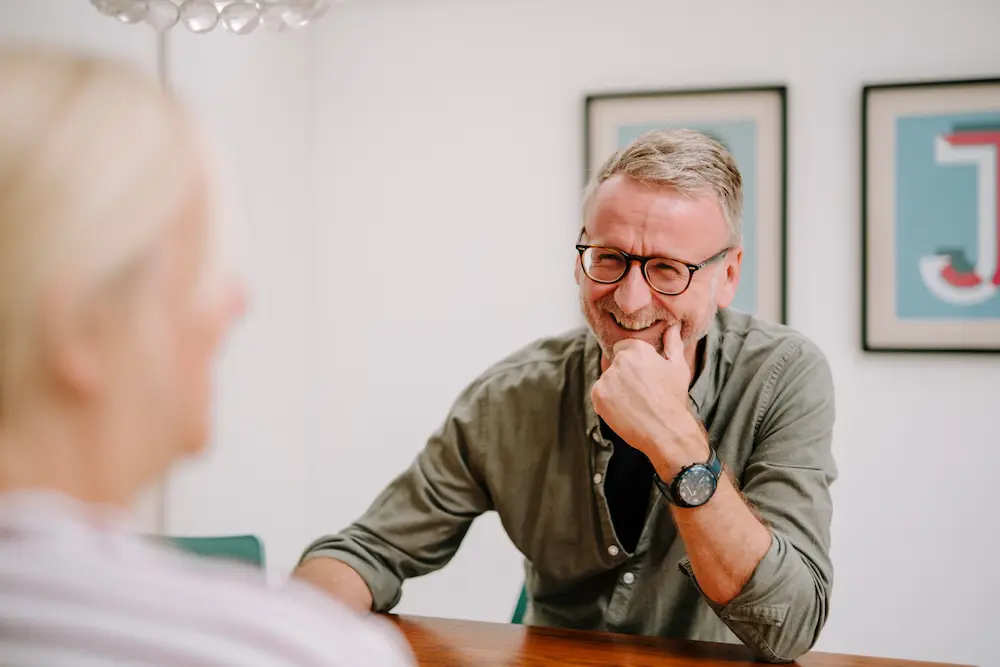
(694, 485)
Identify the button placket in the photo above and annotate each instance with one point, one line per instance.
(599, 456)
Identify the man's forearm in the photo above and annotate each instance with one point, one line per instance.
(338, 579)
(725, 541)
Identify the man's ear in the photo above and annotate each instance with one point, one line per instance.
(730, 276)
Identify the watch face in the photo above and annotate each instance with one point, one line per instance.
(696, 485)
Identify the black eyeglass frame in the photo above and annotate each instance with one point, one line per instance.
(630, 258)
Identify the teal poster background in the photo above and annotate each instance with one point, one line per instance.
(936, 210)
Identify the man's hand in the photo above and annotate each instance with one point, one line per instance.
(643, 397)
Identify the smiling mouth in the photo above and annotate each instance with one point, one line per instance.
(633, 326)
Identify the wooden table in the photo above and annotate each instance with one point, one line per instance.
(452, 643)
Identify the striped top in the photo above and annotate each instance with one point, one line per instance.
(76, 588)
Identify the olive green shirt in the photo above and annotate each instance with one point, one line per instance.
(523, 440)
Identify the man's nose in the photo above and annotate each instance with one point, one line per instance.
(633, 292)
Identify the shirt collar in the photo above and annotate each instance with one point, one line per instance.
(705, 389)
(591, 371)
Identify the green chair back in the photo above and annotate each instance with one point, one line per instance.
(243, 548)
(522, 606)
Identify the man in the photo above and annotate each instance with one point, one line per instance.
(664, 471)
(113, 305)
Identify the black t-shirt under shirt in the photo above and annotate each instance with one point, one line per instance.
(627, 486)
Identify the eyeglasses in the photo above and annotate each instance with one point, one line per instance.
(665, 275)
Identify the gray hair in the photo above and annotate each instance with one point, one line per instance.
(684, 160)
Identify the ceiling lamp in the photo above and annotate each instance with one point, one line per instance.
(240, 17)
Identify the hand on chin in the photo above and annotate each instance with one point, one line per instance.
(643, 396)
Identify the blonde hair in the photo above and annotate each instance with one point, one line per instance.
(96, 162)
(685, 160)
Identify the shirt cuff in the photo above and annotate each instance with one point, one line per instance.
(753, 604)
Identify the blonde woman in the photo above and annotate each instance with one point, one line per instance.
(112, 307)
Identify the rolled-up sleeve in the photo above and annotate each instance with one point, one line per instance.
(781, 610)
(416, 525)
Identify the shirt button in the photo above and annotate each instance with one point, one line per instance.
(613, 550)
(628, 578)
(597, 478)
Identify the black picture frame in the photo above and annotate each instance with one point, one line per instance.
(912, 135)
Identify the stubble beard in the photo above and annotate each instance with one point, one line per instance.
(596, 314)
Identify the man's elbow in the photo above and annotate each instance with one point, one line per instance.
(798, 632)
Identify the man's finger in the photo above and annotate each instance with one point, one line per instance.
(673, 346)
(627, 344)
(597, 397)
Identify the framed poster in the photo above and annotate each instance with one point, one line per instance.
(930, 216)
(750, 122)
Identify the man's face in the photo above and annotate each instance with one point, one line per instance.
(656, 222)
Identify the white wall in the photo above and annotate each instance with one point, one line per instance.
(427, 133)
(74, 24)
(447, 129)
